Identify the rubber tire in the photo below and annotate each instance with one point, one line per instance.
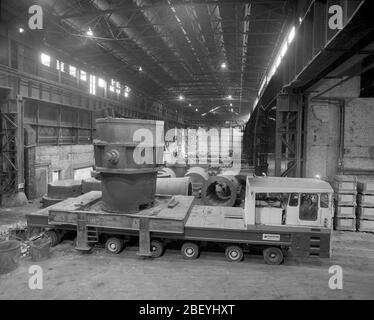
(53, 236)
(273, 256)
(114, 245)
(236, 249)
(187, 246)
(157, 248)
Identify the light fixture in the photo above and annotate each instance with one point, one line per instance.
(180, 98)
(89, 32)
(223, 65)
(230, 104)
(291, 35)
(190, 105)
(196, 109)
(140, 69)
(318, 176)
(21, 30)
(229, 97)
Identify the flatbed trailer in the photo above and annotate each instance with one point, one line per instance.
(177, 218)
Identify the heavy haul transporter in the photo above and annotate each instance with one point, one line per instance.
(281, 216)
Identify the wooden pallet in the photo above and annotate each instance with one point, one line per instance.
(365, 200)
(366, 187)
(344, 224)
(366, 225)
(365, 213)
(345, 212)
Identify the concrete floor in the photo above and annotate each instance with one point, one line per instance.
(68, 274)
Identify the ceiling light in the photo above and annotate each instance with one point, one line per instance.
(230, 104)
(140, 69)
(21, 30)
(229, 97)
(89, 32)
(190, 105)
(180, 98)
(291, 35)
(196, 109)
(223, 65)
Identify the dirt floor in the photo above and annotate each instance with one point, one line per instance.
(68, 274)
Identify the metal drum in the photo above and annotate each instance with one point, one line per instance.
(127, 155)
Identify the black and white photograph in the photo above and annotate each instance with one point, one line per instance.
(187, 157)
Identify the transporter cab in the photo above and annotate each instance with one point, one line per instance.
(281, 217)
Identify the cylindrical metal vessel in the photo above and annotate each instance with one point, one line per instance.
(174, 186)
(221, 191)
(128, 144)
(180, 169)
(128, 193)
(166, 173)
(127, 155)
(199, 176)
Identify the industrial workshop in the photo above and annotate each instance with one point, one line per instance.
(184, 150)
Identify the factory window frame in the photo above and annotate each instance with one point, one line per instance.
(112, 84)
(92, 84)
(73, 71)
(83, 75)
(60, 66)
(118, 87)
(45, 60)
(101, 83)
(56, 175)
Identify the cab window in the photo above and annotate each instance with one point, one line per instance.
(324, 201)
(308, 207)
(294, 200)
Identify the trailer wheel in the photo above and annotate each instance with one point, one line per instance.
(234, 254)
(114, 245)
(157, 248)
(53, 236)
(190, 250)
(273, 256)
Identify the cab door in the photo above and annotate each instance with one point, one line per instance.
(309, 210)
(292, 210)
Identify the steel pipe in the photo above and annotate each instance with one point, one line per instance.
(221, 191)
(174, 186)
(166, 173)
(199, 177)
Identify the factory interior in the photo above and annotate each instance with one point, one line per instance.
(187, 149)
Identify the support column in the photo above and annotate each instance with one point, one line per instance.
(289, 141)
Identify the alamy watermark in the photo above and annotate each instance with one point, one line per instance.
(336, 280)
(36, 278)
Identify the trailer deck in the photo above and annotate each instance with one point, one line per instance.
(176, 218)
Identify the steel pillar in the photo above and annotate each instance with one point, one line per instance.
(11, 146)
(290, 135)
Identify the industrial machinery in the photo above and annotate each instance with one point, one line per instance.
(123, 169)
(281, 216)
